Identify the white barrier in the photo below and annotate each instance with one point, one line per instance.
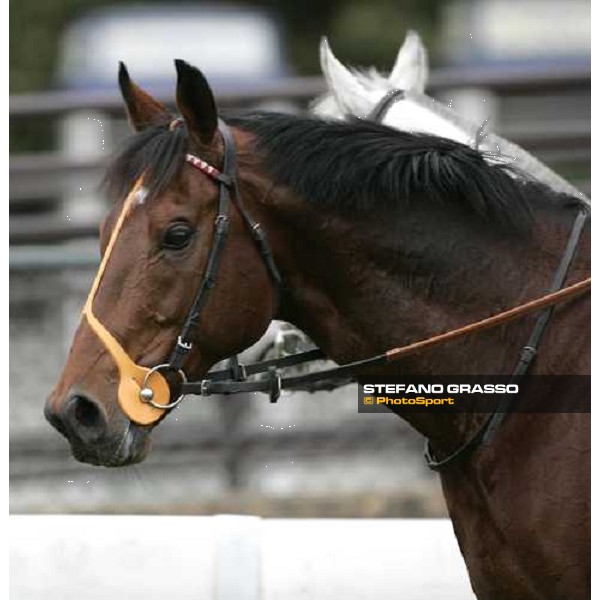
(234, 558)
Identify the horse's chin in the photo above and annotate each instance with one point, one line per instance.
(127, 448)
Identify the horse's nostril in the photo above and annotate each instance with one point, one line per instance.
(85, 418)
(86, 413)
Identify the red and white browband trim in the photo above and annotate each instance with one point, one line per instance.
(203, 166)
(198, 163)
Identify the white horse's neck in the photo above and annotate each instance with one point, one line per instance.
(407, 115)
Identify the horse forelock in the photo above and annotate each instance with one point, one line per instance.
(157, 153)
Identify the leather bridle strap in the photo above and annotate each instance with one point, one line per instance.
(530, 350)
(527, 355)
(384, 105)
(226, 181)
(227, 191)
(279, 363)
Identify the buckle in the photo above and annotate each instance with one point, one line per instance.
(258, 232)
(221, 223)
(528, 353)
(187, 346)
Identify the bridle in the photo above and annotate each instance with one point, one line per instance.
(383, 106)
(145, 394)
(228, 194)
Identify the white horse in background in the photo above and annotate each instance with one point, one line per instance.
(358, 92)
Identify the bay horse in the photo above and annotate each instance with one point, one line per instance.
(379, 237)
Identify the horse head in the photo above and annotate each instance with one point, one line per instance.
(144, 327)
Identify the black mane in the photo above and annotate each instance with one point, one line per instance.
(359, 165)
(352, 165)
(157, 151)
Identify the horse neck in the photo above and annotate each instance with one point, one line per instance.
(407, 115)
(361, 286)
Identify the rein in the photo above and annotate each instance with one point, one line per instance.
(217, 382)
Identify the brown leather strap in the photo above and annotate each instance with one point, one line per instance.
(499, 319)
(131, 375)
(331, 378)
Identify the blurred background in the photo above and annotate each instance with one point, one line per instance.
(308, 455)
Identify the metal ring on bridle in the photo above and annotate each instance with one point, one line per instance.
(147, 394)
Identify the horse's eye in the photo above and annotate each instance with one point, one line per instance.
(177, 237)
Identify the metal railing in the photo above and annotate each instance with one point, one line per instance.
(43, 175)
(508, 81)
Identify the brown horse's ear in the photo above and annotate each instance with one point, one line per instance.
(196, 102)
(142, 110)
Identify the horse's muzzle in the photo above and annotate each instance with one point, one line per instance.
(84, 422)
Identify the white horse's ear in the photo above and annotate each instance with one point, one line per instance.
(349, 93)
(412, 66)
